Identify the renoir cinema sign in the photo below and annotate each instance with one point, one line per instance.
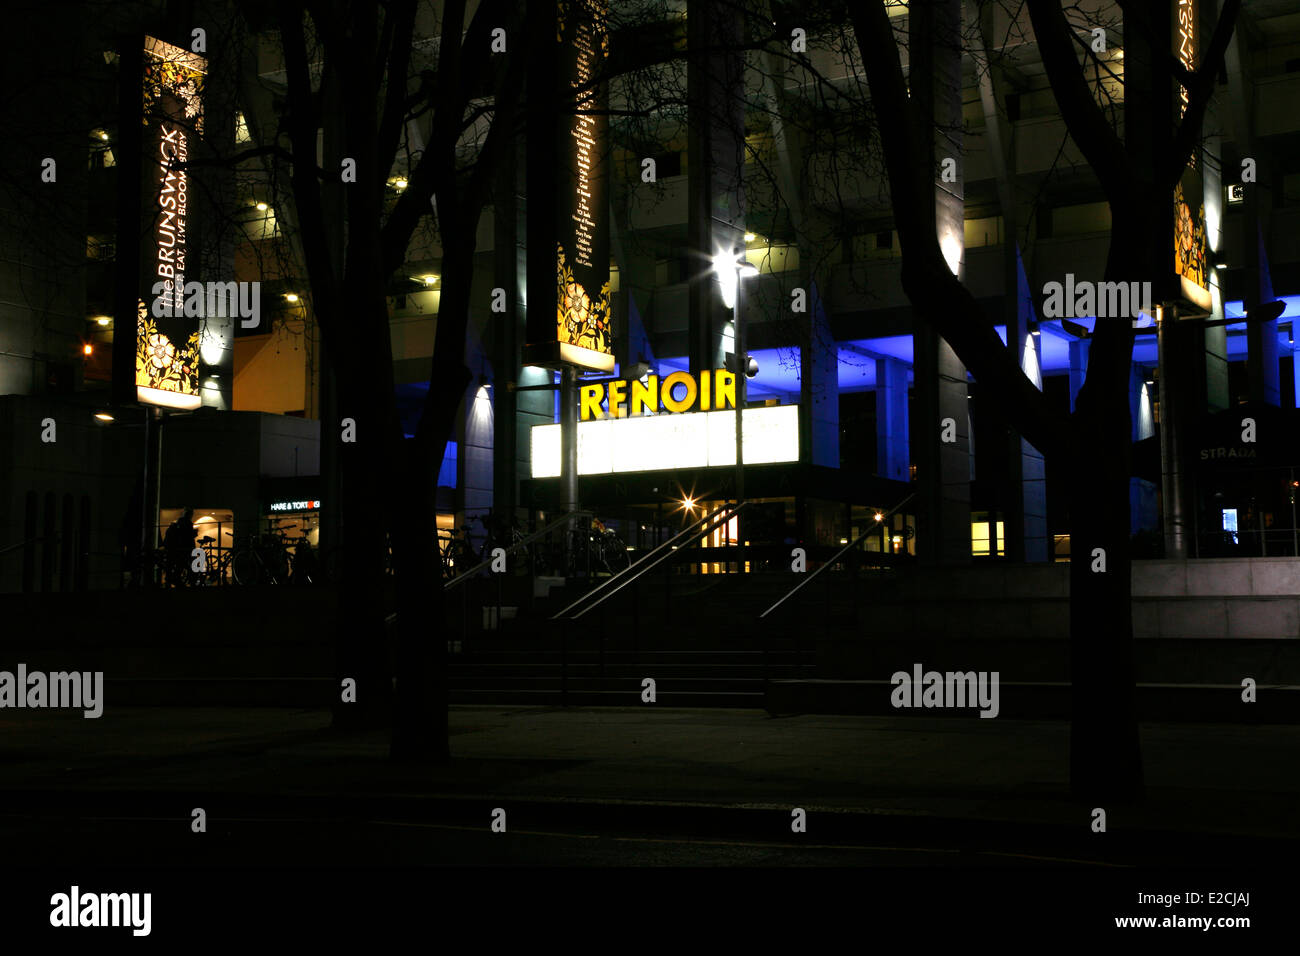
(662, 425)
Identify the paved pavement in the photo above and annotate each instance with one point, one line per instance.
(987, 785)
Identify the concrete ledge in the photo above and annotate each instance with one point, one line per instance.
(1042, 701)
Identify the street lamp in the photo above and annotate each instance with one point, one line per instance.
(730, 268)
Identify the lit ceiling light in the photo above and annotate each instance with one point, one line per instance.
(262, 207)
(103, 417)
(102, 319)
(429, 280)
(400, 184)
(879, 516)
(87, 349)
(750, 237)
(1220, 265)
(291, 297)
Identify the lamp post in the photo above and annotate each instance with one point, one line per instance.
(730, 268)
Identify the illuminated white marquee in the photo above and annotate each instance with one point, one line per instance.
(668, 442)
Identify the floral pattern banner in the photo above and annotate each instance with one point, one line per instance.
(173, 74)
(159, 363)
(167, 338)
(581, 320)
(1189, 240)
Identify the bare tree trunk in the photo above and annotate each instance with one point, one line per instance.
(1105, 757)
(360, 632)
(420, 732)
(420, 719)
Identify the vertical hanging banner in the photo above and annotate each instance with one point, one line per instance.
(167, 338)
(580, 331)
(1190, 245)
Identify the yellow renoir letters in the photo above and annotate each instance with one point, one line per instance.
(680, 392)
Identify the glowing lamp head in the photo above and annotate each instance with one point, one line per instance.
(262, 207)
(87, 349)
(879, 516)
(291, 297)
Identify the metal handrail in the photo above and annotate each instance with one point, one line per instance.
(808, 579)
(652, 559)
(522, 543)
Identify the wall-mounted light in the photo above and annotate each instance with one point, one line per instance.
(429, 279)
(87, 349)
(400, 184)
(951, 249)
(262, 207)
(291, 297)
(750, 237)
(103, 417)
(103, 320)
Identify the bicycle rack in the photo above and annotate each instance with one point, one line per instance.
(522, 543)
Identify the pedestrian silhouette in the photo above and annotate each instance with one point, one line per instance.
(178, 542)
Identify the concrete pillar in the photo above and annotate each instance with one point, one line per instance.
(509, 271)
(1078, 367)
(943, 468)
(892, 452)
(715, 161)
(1261, 337)
(819, 377)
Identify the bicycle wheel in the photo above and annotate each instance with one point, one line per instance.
(247, 569)
(278, 566)
(613, 553)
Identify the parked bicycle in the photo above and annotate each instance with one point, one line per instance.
(505, 534)
(597, 548)
(455, 552)
(262, 559)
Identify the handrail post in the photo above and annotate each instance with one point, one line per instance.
(807, 579)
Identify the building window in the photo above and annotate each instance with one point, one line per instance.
(980, 543)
